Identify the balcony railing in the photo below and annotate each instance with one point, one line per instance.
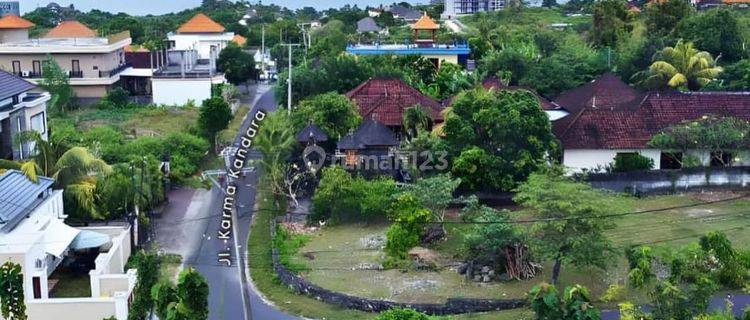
(113, 72)
(30, 75)
(75, 74)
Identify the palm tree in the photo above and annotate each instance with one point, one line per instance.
(682, 66)
(415, 118)
(73, 169)
(275, 141)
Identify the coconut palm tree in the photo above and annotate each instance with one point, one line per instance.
(681, 67)
(74, 169)
(415, 118)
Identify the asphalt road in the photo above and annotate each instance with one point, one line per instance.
(190, 227)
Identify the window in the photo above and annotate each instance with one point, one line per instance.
(75, 66)
(36, 66)
(670, 160)
(16, 67)
(37, 123)
(351, 157)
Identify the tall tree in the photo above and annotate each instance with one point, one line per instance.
(681, 67)
(611, 22)
(237, 64)
(13, 305)
(213, 117)
(498, 137)
(56, 81)
(147, 264)
(717, 31)
(192, 292)
(663, 16)
(573, 218)
(332, 112)
(275, 141)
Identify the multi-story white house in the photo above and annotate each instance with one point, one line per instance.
(202, 35)
(20, 110)
(189, 68)
(93, 63)
(33, 234)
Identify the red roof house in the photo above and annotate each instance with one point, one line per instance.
(608, 114)
(385, 99)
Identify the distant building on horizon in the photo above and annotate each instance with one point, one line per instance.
(9, 7)
(455, 8)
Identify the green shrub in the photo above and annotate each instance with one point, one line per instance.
(340, 196)
(402, 314)
(399, 240)
(118, 97)
(625, 162)
(288, 244)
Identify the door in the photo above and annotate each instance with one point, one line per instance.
(36, 66)
(17, 67)
(37, 287)
(75, 69)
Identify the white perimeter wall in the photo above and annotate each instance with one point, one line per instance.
(578, 159)
(179, 91)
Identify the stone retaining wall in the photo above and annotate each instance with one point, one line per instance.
(451, 306)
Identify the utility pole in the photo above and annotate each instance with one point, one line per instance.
(263, 50)
(289, 78)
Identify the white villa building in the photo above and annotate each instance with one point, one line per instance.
(34, 235)
(189, 70)
(201, 34)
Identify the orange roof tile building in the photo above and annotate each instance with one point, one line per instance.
(239, 40)
(203, 35)
(201, 23)
(12, 21)
(71, 29)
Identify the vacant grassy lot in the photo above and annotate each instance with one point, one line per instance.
(259, 262)
(337, 255)
(136, 121)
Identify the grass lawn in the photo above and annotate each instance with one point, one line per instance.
(139, 121)
(71, 285)
(227, 135)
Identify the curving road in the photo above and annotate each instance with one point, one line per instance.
(189, 227)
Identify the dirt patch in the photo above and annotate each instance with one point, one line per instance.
(698, 213)
(712, 196)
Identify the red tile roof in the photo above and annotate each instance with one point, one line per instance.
(386, 99)
(624, 128)
(71, 29)
(12, 21)
(200, 23)
(494, 83)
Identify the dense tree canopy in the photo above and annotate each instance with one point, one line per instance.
(498, 138)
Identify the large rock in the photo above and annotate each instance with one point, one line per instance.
(423, 257)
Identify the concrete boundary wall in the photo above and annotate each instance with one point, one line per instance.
(451, 306)
(671, 181)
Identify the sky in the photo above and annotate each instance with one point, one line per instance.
(143, 7)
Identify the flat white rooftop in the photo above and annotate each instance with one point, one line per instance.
(58, 42)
